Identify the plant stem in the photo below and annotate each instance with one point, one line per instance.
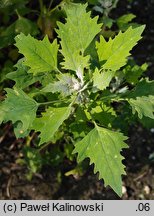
(17, 12)
(44, 146)
(41, 6)
(53, 9)
(50, 4)
(50, 102)
(29, 139)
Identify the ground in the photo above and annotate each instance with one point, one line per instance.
(139, 181)
(137, 184)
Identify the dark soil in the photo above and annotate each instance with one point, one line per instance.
(139, 182)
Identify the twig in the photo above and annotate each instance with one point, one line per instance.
(140, 176)
(8, 193)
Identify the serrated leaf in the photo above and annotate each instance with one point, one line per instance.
(144, 106)
(103, 147)
(40, 56)
(18, 107)
(50, 121)
(123, 20)
(21, 77)
(113, 54)
(141, 98)
(76, 35)
(102, 79)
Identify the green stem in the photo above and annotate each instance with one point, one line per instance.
(41, 6)
(44, 146)
(73, 101)
(50, 4)
(53, 9)
(29, 139)
(17, 12)
(50, 102)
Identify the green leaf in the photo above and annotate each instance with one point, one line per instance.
(91, 50)
(50, 121)
(76, 35)
(21, 77)
(20, 25)
(26, 27)
(2, 113)
(143, 88)
(33, 159)
(141, 98)
(102, 79)
(147, 122)
(123, 20)
(78, 129)
(108, 22)
(40, 56)
(144, 106)
(18, 107)
(7, 36)
(66, 85)
(113, 54)
(103, 147)
(133, 73)
(12, 4)
(105, 115)
(19, 133)
(7, 68)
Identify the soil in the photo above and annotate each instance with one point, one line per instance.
(137, 184)
(139, 181)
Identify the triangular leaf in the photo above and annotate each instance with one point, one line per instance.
(18, 106)
(76, 35)
(113, 54)
(103, 147)
(40, 56)
(50, 121)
